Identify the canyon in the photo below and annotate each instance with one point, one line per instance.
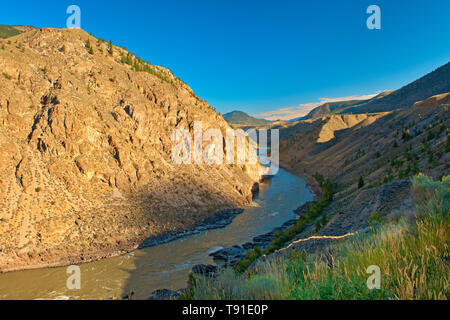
(85, 152)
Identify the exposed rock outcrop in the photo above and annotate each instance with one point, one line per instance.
(85, 152)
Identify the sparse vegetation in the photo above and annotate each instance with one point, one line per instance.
(89, 46)
(412, 257)
(315, 209)
(360, 182)
(110, 48)
(375, 218)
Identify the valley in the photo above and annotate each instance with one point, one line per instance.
(88, 177)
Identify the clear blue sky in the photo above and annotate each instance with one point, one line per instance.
(263, 55)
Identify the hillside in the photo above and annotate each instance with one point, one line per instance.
(434, 83)
(10, 31)
(329, 108)
(241, 119)
(343, 147)
(85, 152)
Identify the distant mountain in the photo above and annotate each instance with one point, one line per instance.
(239, 118)
(432, 84)
(330, 108)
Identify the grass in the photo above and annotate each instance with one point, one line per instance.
(8, 31)
(413, 256)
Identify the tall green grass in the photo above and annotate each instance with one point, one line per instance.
(412, 254)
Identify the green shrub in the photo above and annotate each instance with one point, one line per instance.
(110, 48)
(374, 218)
(315, 209)
(360, 182)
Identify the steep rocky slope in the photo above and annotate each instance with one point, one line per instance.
(85, 146)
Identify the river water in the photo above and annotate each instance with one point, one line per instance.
(166, 265)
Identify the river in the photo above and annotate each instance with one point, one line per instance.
(166, 265)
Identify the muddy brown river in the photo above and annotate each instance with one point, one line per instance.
(166, 265)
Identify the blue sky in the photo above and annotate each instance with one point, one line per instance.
(259, 56)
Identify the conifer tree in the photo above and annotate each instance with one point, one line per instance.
(360, 182)
(110, 47)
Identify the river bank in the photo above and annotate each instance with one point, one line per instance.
(164, 265)
(231, 256)
(62, 258)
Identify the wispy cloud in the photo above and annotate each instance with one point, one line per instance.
(303, 109)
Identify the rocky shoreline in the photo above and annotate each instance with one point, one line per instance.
(56, 258)
(218, 220)
(229, 257)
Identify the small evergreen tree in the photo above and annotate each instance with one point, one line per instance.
(360, 182)
(110, 48)
(324, 219)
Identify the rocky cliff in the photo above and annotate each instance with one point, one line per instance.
(85, 152)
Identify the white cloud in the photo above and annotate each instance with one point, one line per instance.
(303, 109)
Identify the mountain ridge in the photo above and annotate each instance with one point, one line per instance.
(240, 118)
(433, 83)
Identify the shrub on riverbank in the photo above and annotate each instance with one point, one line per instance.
(412, 257)
(315, 209)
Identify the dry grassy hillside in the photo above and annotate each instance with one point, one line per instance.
(85, 145)
(370, 158)
(366, 144)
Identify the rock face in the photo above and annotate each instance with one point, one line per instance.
(85, 152)
(165, 294)
(206, 270)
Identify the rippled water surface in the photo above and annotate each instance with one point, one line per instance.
(166, 265)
